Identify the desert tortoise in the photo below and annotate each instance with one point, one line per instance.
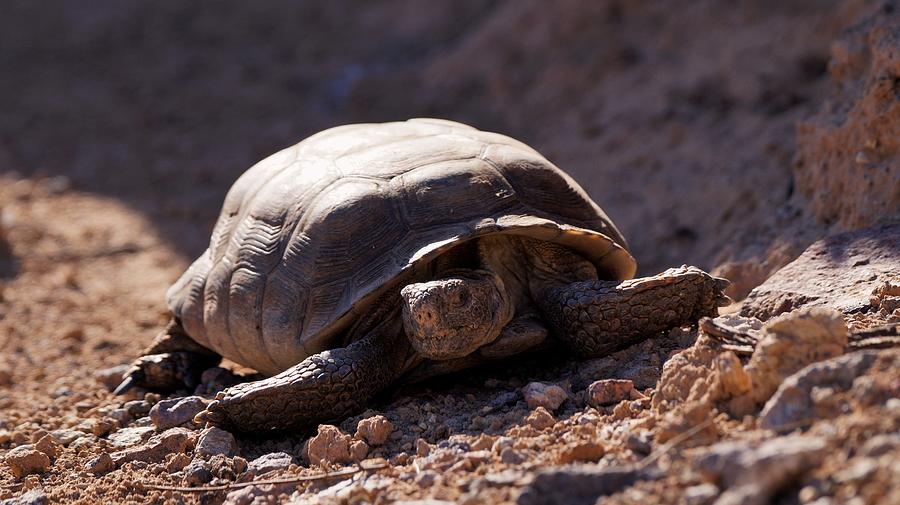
(373, 252)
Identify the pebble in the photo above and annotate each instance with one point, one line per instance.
(639, 443)
(197, 473)
(539, 394)
(100, 464)
(540, 419)
(32, 497)
(171, 413)
(48, 446)
(422, 448)
(588, 452)
(581, 484)
(101, 427)
(329, 445)
(700, 494)
(374, 430)
(178, 462)
(6, 375)
(66, 436)
(170, 441)
(358, 450)
(270, 462)
(216, 441)
(609, 392)
(426, 479)
(84, 442)
(26, 460)
(112, 377)
(753, 473)
(130, 436)
(137, 408)
(793, 400)
(510, 456)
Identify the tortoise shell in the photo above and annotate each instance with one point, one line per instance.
(310, 237)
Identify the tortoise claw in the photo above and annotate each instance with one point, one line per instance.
(129, 382)
(212, 415)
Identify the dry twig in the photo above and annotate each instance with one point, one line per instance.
(671, 444)
(287, 480)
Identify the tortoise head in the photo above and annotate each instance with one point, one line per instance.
(453, 316)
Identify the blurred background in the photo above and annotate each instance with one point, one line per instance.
(678, 117)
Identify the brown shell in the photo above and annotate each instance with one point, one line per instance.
(309, 236)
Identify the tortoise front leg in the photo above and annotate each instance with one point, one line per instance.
(595, 318)
(324, 387)
(173, 361)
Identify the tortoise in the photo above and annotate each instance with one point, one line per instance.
(368, 254)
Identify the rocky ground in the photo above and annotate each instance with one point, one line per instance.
(743, 137)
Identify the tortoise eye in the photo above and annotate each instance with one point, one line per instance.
(459, 296)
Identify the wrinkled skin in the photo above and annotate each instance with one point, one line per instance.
(452, 317)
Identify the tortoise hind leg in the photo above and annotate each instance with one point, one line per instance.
(323, 387)
(173, 361)
(595, 318)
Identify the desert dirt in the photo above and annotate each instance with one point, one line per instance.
(760, 140)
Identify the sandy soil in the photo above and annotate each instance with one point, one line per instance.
(730, 136)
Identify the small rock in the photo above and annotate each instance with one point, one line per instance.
(6, 375)
(791, 342)
(609, 392)
(700, 494)
(753, 473)
(581, 485)
(31, 497)
(860, 469)
(85, 442)
(882, 444)
(26, 460)
(510, 456)
(101, 427)
(137, 408)
(216, 441)
(540, 419)
(587, 452)
(422, 448)
(502, 443)
(549, 396)
(171, 413)
(128, 437)
(197, 473)
(239, 464)
(100, 464)
(111, 377)
(426, 478)
(793, 401)
(639, 443)
(375, 430)
(178, 463)
(120, 416)
(483, 442)
(48, 446)
(270, 462)
(173, 440)
(66, 436)
(734, 380)
(358, 450)
(329, 445)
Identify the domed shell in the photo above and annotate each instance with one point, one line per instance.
(310, 236)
